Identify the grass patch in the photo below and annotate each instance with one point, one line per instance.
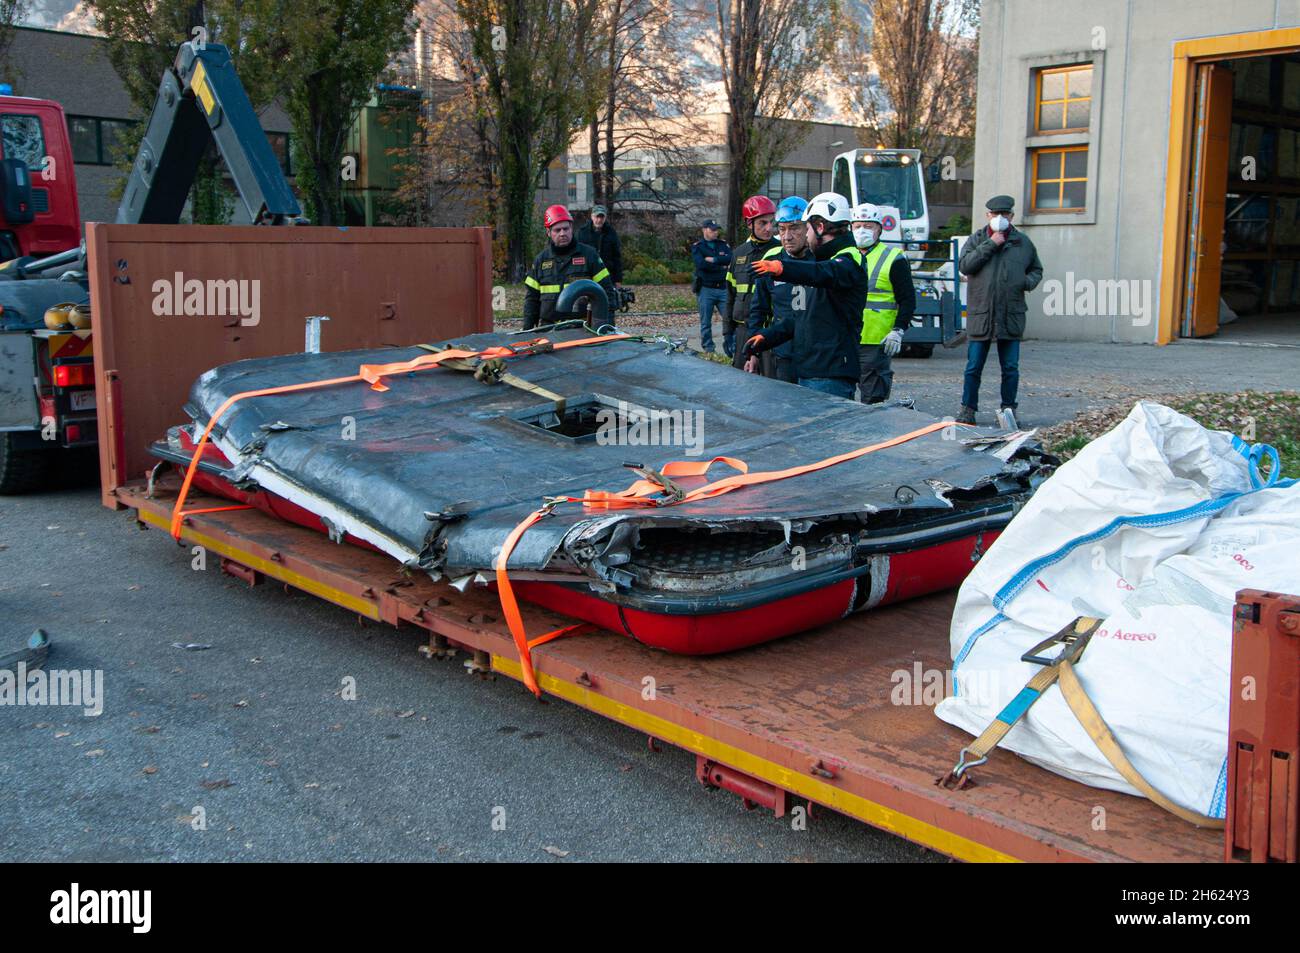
(1254, 416)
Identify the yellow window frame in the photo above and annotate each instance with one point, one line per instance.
(1064, 101)
(1059, 181)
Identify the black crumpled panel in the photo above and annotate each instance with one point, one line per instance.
(437, 439)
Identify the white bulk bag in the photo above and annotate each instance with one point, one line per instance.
(1153, 528)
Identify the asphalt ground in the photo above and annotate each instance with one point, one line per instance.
(248, 750)
(256, 733)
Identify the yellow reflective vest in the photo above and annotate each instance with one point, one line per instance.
(881, 312)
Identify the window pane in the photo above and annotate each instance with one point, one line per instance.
(1076, 164)
(1049, 165)
(111, 132)
(1075, 194)
(1081, 83)
(85, 140)
(1077, 114)
(1053, 86)
(1047, 195)
(23, 140)
(1051, 117)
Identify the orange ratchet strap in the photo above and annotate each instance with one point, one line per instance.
(642, 493)
(373, 374)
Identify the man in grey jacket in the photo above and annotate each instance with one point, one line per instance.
(1001, 264)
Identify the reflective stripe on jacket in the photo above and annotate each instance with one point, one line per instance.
(881, 312)
(554, 269)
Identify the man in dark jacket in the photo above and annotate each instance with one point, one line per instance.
(1001, 264)
(600, 235)
(775, 300)
(563, 261)
(826, 339)
(759, 214)
(712, 257)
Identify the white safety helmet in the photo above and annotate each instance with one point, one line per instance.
(830, 206)
(866, 212)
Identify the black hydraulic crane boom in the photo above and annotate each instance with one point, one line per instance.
(201, 100)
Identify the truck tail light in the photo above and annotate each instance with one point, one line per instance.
(72, 433)
(74, 375)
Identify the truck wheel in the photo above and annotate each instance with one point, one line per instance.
(22, 470)
(917, 350)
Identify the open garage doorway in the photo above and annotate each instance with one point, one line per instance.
(1233, 200)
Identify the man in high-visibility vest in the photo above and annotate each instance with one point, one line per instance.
(563, 261)
(891, 302)
(759, 213)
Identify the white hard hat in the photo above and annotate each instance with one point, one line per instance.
(866, 212)
(831, 206)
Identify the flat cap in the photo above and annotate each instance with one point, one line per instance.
(1000, 203)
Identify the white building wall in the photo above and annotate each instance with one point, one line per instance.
(1121, 237)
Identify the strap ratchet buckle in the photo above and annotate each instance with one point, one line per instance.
(1073, 638)
(676, 492)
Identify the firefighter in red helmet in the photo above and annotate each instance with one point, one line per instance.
(759, 214)
(563, 261)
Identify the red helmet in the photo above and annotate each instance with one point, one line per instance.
(755, 206)
(556, 214)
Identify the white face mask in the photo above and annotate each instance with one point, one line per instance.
(864, 237)
(1000, 223)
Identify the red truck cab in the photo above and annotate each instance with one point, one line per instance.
(35, 132)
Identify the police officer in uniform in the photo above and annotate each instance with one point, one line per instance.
(891, 302)
(776, 300)
(563, 261)
(712, 257)
(760, 216)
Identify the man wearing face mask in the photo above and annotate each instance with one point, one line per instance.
(891, 302)
(826, 338)
(759, 214)
(775, 300)
(563, 261)
(1001, 264)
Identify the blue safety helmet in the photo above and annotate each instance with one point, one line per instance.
(791, 209)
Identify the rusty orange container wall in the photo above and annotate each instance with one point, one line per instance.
(171, 301)
(1264, 730)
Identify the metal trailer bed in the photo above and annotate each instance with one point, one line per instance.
(807, 718)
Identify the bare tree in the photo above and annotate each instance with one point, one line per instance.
(913, 65)
(528, 54)
(639, 63)
(769, 50)
(451, 174)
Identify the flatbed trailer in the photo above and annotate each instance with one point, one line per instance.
(805, 719)
(811, 719)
